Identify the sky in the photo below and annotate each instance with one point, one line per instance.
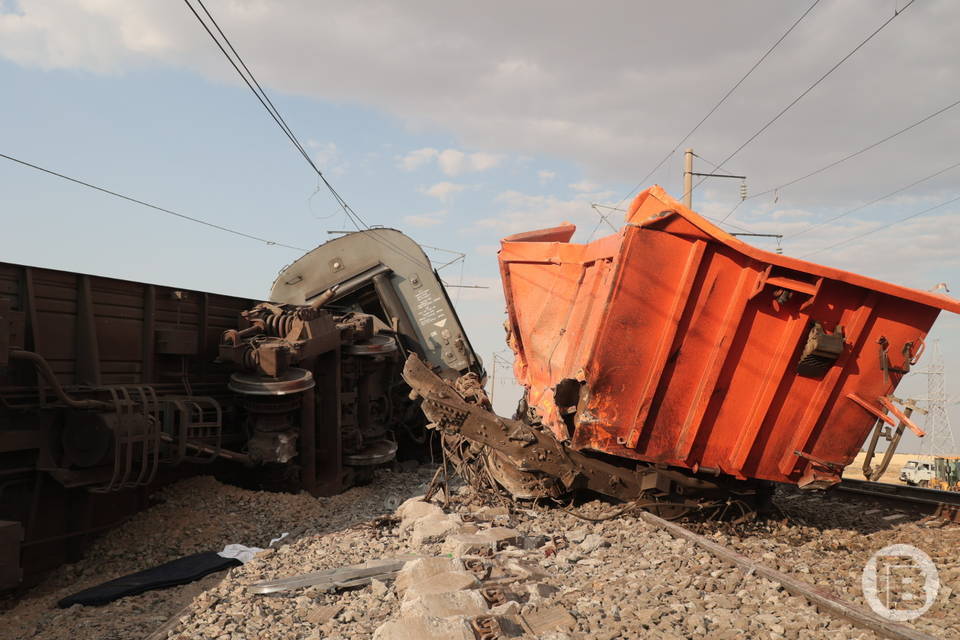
(463, 123)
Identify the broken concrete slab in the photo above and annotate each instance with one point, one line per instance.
(425, 628)
(484, 542)
(541, 620)
(434, 528)
(468, 544)
(413, 510)
(492, 514)
(540, 590)
(502, 536)
(423, 569)
(593, 542)
(441, 583)
(443, 605)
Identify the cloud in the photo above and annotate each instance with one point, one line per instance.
(918, 253)
(426, 219)
(512, 86)
(545, 176)
(584, 186)
(451, 162)
(525, 212)
(443, 191)
(324, 154)
(481, 161)
(417, 158)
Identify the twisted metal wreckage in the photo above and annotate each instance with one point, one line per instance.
(671, 362)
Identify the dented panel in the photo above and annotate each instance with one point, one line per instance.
(673, 342)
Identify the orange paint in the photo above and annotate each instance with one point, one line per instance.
(685, 343)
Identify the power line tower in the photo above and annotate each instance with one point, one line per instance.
(939, 440)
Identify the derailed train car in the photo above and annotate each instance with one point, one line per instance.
(674, 361)
(109, 387)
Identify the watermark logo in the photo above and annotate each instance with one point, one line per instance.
(900, 582)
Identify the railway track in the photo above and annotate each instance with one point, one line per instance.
(899, 492)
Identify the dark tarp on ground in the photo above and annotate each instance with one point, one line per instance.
(179, 571)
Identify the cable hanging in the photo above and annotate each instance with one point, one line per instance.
(874, 201)
(850, 156)
(152, 206)
(250, 80)
(806, 91)
(722, 100)
(882, 227)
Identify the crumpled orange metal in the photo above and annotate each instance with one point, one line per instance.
(674, 342)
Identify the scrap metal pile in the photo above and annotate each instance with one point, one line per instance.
(671, 362)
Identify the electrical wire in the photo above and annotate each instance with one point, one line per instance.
(816, 83)
(857, 153)
(874, 201)
(151, 206)
(722, 100)
(882, 227)
(712, 219)
(250, 80)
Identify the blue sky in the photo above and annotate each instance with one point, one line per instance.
(208, 150)
(460, 125)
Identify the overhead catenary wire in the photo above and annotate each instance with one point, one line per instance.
(712, 219)
(250, 80)
(810, 88)
(721, 101)
(854, 154)
(150, 205)
(850, 156)
(881, 228)
(874, 201)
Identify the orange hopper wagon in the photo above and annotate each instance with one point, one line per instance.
(675, 344)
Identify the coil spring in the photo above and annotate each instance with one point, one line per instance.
(248, 357)
(279, 325)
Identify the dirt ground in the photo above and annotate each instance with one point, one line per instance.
(892, 474)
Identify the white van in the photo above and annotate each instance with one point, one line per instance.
(917, 473)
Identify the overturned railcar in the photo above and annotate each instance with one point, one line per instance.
(686, 359)
(110, 387)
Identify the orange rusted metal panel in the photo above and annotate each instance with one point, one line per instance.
(673, 342)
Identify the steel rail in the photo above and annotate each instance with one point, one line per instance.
(902, 492)
(824, 599)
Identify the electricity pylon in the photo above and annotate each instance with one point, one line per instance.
(939, 440)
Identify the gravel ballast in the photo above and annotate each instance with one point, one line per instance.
(619, 578)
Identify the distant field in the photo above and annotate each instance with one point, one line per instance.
(892, 474)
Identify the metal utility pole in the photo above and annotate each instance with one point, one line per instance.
(688, 174)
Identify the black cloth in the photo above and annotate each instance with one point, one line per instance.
(179, 571)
